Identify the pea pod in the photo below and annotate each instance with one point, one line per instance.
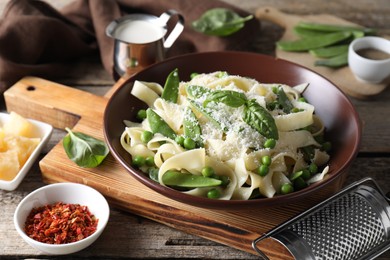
(304, 33)
(192, 128)
(158, 125)
(188, 180)
(314, 42)
(334, 62)
(333, 28)
(206, 112)
(260, 119)
(328, 52)
(284, 101)
(194, 91)
(171, 87)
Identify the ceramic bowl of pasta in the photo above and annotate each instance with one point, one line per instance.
(233, 130)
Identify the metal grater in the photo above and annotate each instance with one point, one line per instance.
(352, 224)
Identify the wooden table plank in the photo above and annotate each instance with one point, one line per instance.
(141, 238)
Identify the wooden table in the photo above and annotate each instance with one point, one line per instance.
(131, 236)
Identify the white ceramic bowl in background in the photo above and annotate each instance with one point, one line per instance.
(369, 70)
(71, 193)
(44, 132)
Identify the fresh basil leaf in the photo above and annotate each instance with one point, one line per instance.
(260, 119)
(192, 128)
(86, 151)
(228, 97)
(220, 22)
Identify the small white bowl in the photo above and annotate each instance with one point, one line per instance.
(71, 193)
(44, 132)
(369, 70)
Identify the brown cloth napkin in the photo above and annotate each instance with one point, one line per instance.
(38, 40)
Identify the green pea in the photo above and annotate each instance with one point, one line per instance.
(146, 136)
(141, 114)
(263, 170)
(275, 89)
(295, 110)
(225, 180)
(149, 161)
(189, 144)
(306, 174)
(138, 161)
(266, 160)
(327, 146)
(179, 140)
(193, 75)
(313, 168)
(286, 188)
(208, 171)
(270, 143)
(302, 99)
(213, 194)
(299, 184)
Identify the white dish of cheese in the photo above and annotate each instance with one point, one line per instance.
(21, 141)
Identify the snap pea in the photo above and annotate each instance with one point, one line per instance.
(333, 28)
(194, 91)
(334, 62)
(171, 87)
(188, 180)
(304, 33)
(158, 125)
(191, 127)
(328, 52)
(284, 101)
(198, 107)
(314, 42)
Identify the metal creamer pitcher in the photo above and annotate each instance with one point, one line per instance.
(141, 39)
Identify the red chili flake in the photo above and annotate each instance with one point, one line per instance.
(60, 223)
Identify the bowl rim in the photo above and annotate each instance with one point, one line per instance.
(232, 204)
(101, 224)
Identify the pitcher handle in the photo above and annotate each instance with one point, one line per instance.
(177, 30)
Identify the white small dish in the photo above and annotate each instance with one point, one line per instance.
(44, 132)
(366, 69)
(71, 193)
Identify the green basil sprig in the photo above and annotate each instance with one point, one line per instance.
(254, 115)
(260, 119)
(220, 22)
(86, 151)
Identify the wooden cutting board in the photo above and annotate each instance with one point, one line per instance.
(63, 106)
(342, 77)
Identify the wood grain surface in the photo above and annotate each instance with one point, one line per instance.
(130, 236)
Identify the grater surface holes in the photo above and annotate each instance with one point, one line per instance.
(346, 229)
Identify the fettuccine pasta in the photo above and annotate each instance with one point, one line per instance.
(242, 139)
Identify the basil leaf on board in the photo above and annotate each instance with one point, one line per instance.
(191, 127)
(220, 22)
(171, 87)
(228, 97)
(158, 125)
(260, 119)
(86, 151)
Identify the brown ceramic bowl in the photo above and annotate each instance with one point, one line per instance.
(342, 122)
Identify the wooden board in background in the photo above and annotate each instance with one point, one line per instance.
(44, 100)
(342, 77)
